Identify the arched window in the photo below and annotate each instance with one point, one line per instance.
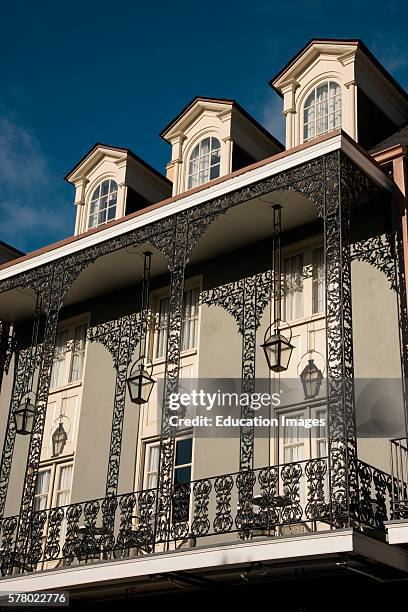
(204, 162)
(103, 203)
(322, 110)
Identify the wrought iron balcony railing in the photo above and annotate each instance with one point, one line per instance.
(275, 500)
(399, 473)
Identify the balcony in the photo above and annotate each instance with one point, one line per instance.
(284, 500)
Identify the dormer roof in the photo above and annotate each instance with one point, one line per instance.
(99, 151)
(305, 56)
(199, 104)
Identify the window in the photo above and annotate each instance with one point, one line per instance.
(182, 463)
(321, 449)
(318, 281)
(182, 466)
(301, 444)
(293, 287)
(181, 476)
(102, 206)
(42, 490)
(78, 353)
(63, 489)
(189, 324)
(152, 465)
(322, 110)
(69, 355)
(204, 162)
(53, 487)
(293, 441)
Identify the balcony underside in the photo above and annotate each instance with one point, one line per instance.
(343, 552)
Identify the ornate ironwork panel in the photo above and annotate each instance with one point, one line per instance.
(120, 337)
(339, 340)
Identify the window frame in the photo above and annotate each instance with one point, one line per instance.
(97, 211)
(155, 298)
(307, 409)
(309, 92)
(198, 143)
(55, 469)
(70, 325)
(306, 248)
(147, 444)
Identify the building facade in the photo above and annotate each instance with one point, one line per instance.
(250, 247)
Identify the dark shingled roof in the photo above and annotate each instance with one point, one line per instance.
(398, 138)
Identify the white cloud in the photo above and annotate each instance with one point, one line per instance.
(32, 210)
(272, 116)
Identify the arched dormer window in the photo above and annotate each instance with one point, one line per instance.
(102, 207)
(204, 162)
(322, 110)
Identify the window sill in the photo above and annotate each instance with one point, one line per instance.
(69, 386)
(183, 354)
(302, 321)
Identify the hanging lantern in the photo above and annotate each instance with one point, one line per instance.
(24, 416)
(278, 349)
(140, 382)
(59, 439)
(311, 378)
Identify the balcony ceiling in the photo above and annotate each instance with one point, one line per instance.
(240, 226)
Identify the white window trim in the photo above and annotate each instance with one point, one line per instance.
(71, 323)
(154, 301)
(197, 143)
(305, 248)
(306, 409)
(156, 441)
(92, 189)
(55, 470)
(309, 90)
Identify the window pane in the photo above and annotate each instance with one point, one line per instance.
(64, 486)
(152, 465)
(204, 162)
(78, 353)
(293, 287)
(58, 366)
(193, 168)
(189, 326)
(182, 475)
(104, 188)
(195, 152)
(183, 451)
(203, 177)
(318, 281)
(161, 342)
(111, 213)
(96, 193)
(215, 144)
(205, 146)
(42, 488)
(214, 172)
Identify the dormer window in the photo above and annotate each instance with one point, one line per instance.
(322, 110)
(204, 163)
(102, 206)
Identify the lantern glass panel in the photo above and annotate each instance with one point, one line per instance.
(59, 439)
(24, 417)
(311, 378)
(278, 350)
(140, 385)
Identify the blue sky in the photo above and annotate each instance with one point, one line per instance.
(75, 73)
